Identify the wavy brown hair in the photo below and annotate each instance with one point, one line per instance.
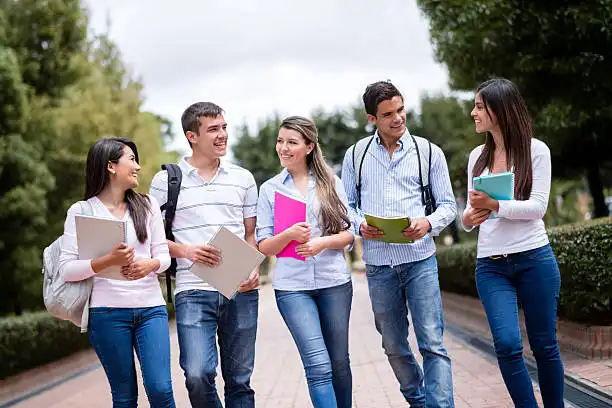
(334, 214)
(102, 152)
(502, 97)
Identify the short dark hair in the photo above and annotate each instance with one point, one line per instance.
(378, 92)
(190, 120)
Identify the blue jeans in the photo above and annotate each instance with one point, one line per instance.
(533, 276)
(115, 333)
(413, 287)
(201, 317)
(319, 323)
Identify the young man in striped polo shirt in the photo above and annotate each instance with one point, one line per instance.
(213, 193)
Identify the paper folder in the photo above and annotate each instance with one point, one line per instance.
(287, 212)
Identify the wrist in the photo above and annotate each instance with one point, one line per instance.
(494, 205)
(153, 265)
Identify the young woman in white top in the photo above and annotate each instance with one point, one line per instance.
(515, 261)
(124, 315)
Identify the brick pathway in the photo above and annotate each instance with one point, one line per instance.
(279, 380)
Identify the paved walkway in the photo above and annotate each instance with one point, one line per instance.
(279, 381)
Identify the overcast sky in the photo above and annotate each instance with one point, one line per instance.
(257, 57)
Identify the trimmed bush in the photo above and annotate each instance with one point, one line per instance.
(584, 254)
(33, 339)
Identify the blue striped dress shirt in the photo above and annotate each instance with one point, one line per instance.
(390, 188)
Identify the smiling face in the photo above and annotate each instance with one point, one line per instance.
(390, 118)
(125, 171)
(211, 139)
(292, 148)
(484, 119)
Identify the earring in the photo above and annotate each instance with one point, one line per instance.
(112, 171)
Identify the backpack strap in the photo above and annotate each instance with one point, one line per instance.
(359, 152)
(423, 149)
(175, 177)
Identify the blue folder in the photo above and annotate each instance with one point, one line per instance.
(499, 186)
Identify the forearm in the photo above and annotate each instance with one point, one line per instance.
(177, 250)
(275, 244)
(339, 240)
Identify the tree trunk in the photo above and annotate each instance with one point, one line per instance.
(600, 209)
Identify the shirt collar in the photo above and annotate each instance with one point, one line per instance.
(189, 169)
(401, 140)
(285, 175)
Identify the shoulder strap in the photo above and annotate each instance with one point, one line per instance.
(423, 148)
(86, 207)
(175, 177)
(359, 152)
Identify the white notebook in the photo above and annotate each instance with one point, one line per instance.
(238, 260)
(96, 237)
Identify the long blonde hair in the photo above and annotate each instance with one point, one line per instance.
(334, 214)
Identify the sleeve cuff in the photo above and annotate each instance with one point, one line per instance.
(264, 233)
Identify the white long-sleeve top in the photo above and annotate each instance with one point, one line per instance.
(522, 226)
(144, 292)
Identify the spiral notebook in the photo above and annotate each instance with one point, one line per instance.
(392, 227)
(97, 236)
(499, 186)
(238, 260)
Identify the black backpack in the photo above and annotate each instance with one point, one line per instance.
(175, 176)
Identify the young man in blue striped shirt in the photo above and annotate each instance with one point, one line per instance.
(403, 278)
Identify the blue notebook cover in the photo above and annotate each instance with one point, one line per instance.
(499, 186)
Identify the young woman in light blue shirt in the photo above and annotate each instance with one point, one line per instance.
(313, 295)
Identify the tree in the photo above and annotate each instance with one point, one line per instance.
(559, 55)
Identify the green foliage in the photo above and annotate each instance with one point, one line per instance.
(33, 339)
(60, 93)
(559, 57)
(583, 254)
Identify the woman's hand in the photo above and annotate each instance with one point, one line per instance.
(120, 255)
(311, 248)
(480, 200)
(474, 216)
(140, 268)
(299, 232)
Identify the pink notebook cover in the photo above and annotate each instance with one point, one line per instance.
(288, 211)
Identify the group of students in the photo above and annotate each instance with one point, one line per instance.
(314, 295)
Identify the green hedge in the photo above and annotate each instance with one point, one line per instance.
(33, 339)
(584, 254)
(37, 338)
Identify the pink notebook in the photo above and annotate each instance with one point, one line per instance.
(288, 211)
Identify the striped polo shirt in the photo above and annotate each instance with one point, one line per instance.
(202, 207)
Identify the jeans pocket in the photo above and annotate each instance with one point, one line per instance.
(96, 311)
(542, 254)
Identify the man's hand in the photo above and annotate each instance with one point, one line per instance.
(419, 227)
(251, 283)
(204, 254)
(475, 216)
(311, 248)
(139, 269)
(480, 200)
(370, 232)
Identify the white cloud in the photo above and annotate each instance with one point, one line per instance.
(255, 58)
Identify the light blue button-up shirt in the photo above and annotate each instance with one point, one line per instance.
(390, 188)
(324, 270)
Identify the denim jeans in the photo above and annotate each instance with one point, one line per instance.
(533, 276)
(414, 287)
(202, 317)
(319, 323)
(115, 333)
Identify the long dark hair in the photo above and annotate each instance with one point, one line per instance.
(97, 178)
(503, 98)
(334, 214)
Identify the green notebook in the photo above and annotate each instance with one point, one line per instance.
(391, 226)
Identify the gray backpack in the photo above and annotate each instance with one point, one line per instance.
(65, 300)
